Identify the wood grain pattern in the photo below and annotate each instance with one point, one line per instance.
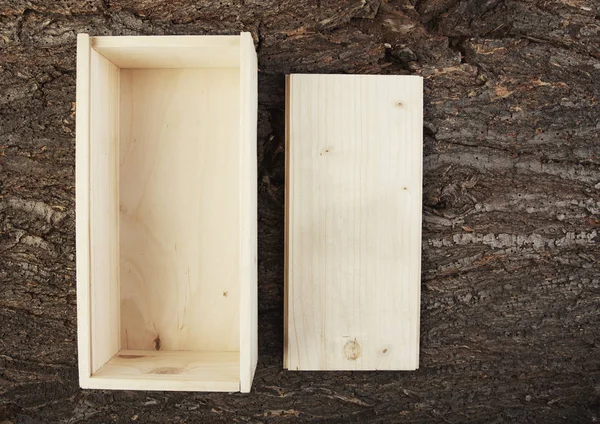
(180, 209)
(82, 212)
(286, 224)
(147, 370)
(104, 208)
(354, 222)
(165, 52)
(248, 301)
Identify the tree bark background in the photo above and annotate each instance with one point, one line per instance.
(510, 327)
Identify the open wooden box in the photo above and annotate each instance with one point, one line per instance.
(166, 212)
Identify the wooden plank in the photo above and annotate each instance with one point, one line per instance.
(104, 208)
(354, 222)
(82, 177)
(180, 209)
(163, 370)
(286, 222)
(248, 213)
(211, 51)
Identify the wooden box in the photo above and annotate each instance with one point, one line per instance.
(166, 212)
(353, 222)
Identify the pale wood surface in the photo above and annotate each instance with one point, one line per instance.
(82, 176)
(212, 51)
(248, 213)
(167, 370)
(286, 224)
(104, 208)
(354, 222)
(179, 200)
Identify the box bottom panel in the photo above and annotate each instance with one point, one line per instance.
(178, 248)
(169, 370)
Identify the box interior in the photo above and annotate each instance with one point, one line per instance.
(172, 307)
(178, 217)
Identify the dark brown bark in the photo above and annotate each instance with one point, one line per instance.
(510, 326)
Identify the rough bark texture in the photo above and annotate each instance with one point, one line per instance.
(510, 326)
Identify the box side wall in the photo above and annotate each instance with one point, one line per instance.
(181, 370)
(286, 242)
(104, 209)
(248, 213)
(174, 52)
(418, 134)
(82, 175)
(161, 385)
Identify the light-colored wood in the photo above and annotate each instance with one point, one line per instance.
(166, 210)
(248, 213)
(180, 209)
(170, 51)
(286, 230)
(104, 208)
(354, 222)
(163, 370)
(82, 226)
